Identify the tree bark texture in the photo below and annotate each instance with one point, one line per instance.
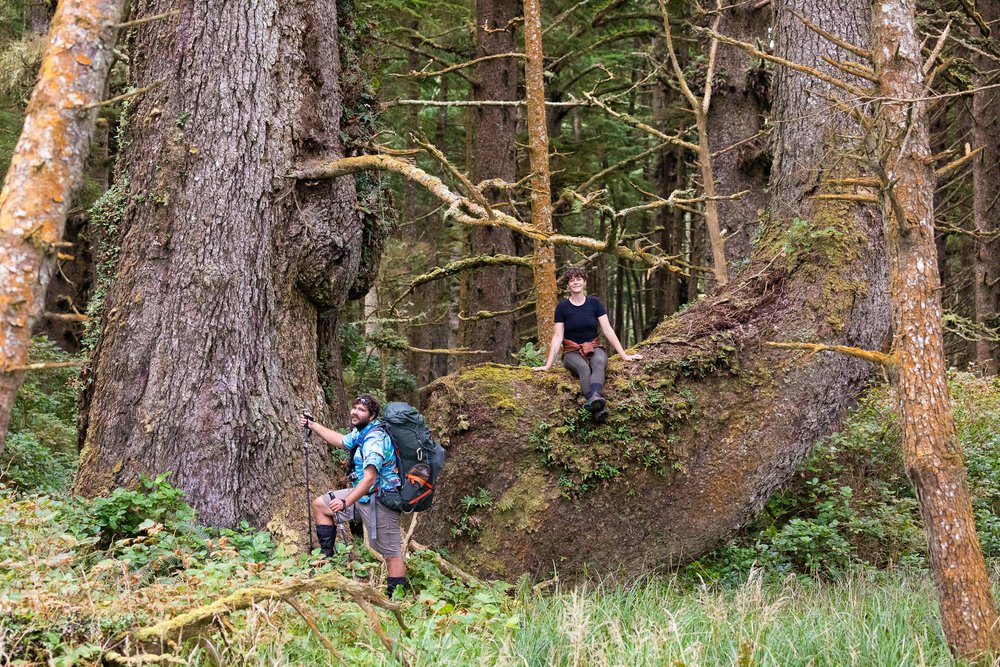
(931, 450)
(209, 339)
(546, 295)
(986, 194)
(739, 104)
(494, 156)
(704, 428)
(46, 165)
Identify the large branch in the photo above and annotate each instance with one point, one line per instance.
(44, 169)
(468, 212)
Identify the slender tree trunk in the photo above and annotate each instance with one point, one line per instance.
(736, 116)
(493, 156)
(209, 339)
(44, 169)
(932, 453)
(986, 194)
(546, 294)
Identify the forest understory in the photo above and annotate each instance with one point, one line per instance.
(833, 572)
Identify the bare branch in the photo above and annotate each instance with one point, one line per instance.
(854, 69)
(846, 196)
(490, 314)
(475, 103)
(811, 71)
(955, 164)
(929, 63)
(124, 96)
(830, 37)
(638, 124)
(148, 19)
(461, 266)
(454, 68)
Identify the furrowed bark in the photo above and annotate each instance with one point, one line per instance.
(44, 169)
(931, 450)
(228, 268)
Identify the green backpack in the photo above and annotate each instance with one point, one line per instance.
(420, 458)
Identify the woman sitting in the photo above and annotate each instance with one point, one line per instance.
(576, 321)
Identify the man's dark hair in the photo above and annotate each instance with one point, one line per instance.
(571, 272)
(370, 403)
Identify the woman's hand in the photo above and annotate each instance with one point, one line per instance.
(541, 368)
(631, 357)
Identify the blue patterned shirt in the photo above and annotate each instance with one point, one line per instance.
(376, 450)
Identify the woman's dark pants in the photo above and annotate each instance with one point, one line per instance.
(589, 373)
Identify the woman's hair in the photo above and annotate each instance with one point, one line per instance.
(571, 272)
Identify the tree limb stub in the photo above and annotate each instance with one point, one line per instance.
(867, 355)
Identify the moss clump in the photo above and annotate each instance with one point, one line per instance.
(641, 432)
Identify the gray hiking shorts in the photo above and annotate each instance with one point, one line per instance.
(381, 523)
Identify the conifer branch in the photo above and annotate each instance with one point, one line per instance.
(856, 352)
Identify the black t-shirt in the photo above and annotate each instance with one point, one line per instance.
(580, 321)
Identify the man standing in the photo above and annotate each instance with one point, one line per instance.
(373, 468)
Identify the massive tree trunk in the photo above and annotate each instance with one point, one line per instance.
(208, 344)
(711, 421)
(493, 156)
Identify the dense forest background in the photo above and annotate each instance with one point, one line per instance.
(678, 169)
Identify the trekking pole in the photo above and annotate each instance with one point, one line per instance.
(305, 452)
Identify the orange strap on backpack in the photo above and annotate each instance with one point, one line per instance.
(585, 349)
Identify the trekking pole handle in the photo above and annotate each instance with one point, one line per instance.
(305, 429)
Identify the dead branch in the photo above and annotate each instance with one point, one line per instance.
(489, 314)
(857, 352)
(929, 63)
(148, 19)
(474, 192)
(445, 350)
(461, 266)
(805, 69)
(955, 164)
(864, 182)
(429, 56)
(847, 196)
(638, 124)
(124, 96)
(174, 629)
(307, 617)
(43, 365)
(468, 212)
(758, 135)
(446, 566)
(415, 74)
(830, 37)
(854, 69)
(66, 317)
(475, 103)
(562, 17)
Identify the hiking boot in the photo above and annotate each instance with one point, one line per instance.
(595, 403)
(601, 415)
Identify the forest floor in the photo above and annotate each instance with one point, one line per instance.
(75, 590)
(833, 572)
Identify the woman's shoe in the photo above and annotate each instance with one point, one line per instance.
(595, 403)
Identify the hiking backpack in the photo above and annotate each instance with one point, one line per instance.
(419, 456)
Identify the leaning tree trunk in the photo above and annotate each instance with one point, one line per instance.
(711, 421)
(44, 170)
(208, 343)
(931, 450)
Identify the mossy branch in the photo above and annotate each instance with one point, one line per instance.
(366, 597)
(833, 39)
(856, 352)
(461, 266)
